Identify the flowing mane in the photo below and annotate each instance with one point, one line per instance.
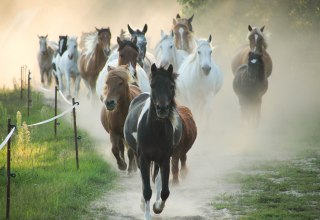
(121, 72)
(88, 42)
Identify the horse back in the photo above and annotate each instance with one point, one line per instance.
(189, 130)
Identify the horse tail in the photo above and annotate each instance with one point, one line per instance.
(155, 171)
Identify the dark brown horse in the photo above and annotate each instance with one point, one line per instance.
(118, 93)
(250, 84)
(183, 34)
(93, 57)
(257, 44)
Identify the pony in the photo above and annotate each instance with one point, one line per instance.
(167, 53)
(118, 93)
(183, 34)
(250, 84)
(257, 44)
(200, 79)
(67, 67)
(154, 130)
(127, 54)
(45, 56)
(93, 56)
(62, 47)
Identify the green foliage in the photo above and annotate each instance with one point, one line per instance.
(47, 184)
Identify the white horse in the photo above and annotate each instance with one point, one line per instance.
(67, 67)
(45, 56)
(199, 80)
(167, 53)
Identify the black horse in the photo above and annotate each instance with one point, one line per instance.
(153, 129)
(250, 84)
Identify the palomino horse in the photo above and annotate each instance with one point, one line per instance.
(118, 93)
(127, 54)
(45, 56)
(200, 79)
(167, 53)
(145, 58)
(154, 130)
(62, 47)
(257, 44)
(250, 84)
(183, 34)
(93, 57)
(67, 67)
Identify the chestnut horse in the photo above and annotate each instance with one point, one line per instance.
(155, 129)
(93, 57)
(257, 44)
(183, 34)
(250, 84)
(118, 93)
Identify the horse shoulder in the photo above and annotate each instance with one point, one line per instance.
(134, 91)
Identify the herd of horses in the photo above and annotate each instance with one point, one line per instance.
(152, 101)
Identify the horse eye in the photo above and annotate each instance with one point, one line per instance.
(198, 52)
(210, 51)
(171, 47)
(172, 87)
(120, 83)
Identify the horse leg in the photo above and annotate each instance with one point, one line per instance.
(147, 192)
(158, 206)
(132, 162)
(60, 81)
(49, 77)
(42, 77)
(184, 169)
(116, 142)
(77, 86)
(68, 76)
(175, 169)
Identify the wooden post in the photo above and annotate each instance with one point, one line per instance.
(55, 110)
(75, 131)
(8, 171)
(29, 93)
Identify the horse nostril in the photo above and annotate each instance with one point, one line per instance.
(206, 69)
(158, 107)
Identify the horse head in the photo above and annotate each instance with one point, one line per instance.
(43, 44)
(128, 52)
(116, 86)
(186, 21)
(255, 65)
(167, 49)
(62, 44)
(72, 47)
(141, 41)
(182, 34)
(204, 52)
(104, 38)
(256, 39)
(163, 87)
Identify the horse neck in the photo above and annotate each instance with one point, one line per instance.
(99, 55)
(152, 117)
(124, 102)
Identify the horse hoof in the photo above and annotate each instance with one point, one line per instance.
(122, 166)
(175, 182)
(184, 172)
(159, 209)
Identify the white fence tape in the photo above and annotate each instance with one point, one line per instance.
(65, 99)
(7, 138)
(53, 118)
(46, 90)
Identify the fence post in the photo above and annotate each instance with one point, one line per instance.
(75, 131)
(29, 92)
(8, 171)
(21, 82)
(55, 110)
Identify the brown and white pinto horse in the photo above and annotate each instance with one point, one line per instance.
(95, 52)
(257, 44)
(183, 34)
(118, 93)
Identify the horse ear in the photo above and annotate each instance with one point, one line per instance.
(174, 22)
(262, 28)
(97, 29)
(46, 36)
(178, 16)
(170, 69)
(249, 27)
(209, 39)
(110, 68)
(134, 40)
(191, 18)
(119, 41)
(154, 68)
(162, 34)
(145, 28)
(131, 31)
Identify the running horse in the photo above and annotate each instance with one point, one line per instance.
(154, 129)
(117, 95)
(45, 56)
(257, 44)
(94, 54)
(183, 33)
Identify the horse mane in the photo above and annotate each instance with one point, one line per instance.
(121, 72)
(88, 42)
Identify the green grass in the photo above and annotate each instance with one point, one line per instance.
(47, 184)
(288, 189)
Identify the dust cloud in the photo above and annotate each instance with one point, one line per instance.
(289, 108)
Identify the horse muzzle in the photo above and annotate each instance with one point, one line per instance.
(162, 111)
(110, 104)
(106, 52)
(206, 69)
(70, 56)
